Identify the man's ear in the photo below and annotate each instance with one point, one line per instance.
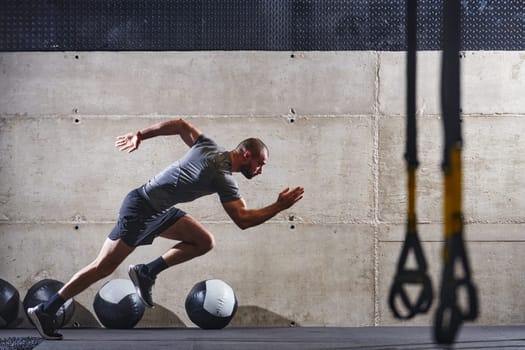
(246, 155)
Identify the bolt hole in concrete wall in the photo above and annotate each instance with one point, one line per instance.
(291, 117)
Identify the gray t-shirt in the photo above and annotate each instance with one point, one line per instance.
(203, 170)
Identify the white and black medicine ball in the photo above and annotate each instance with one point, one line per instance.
(211, 304)
(9, 300)
(117, 304)
(41, 292)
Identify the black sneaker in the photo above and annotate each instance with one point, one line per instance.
(44, 322)
(143, 282)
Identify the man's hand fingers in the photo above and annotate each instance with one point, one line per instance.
(283, 192)
(120, 141)
(298, 191)
(290, 197)
(129, 148)
(127, 143)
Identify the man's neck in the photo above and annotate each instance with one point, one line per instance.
(236, 161)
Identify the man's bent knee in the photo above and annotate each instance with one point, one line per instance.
(206, 244)
(211, 243)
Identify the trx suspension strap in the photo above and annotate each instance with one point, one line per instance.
(418, 275)
(456, 271)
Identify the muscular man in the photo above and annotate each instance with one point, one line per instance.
(149, 211)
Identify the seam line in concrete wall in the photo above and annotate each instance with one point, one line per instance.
(273, 221)
(189, 116)
(375, 171)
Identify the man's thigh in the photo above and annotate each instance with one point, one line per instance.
(187, 229)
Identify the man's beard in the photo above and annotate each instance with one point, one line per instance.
(245, 170)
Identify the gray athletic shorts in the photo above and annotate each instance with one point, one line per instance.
(139, 224)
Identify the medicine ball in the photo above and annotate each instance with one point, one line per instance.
(117, 304)
(9, 300)
(211, 304)
(41, 292)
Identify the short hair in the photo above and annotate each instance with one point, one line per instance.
(254, 145)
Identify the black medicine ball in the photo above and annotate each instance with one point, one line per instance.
(211, 304)
(9, 300)
(117, 304)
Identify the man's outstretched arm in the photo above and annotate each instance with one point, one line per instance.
(131, 141)
(246, 218)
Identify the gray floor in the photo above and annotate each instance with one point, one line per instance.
(367, 338)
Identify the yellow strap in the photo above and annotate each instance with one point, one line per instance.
(453, 188)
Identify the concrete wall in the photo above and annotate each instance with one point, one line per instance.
(334, 122)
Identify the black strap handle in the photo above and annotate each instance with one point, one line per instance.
(449, 314)
(416, 276)
(405, 277)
